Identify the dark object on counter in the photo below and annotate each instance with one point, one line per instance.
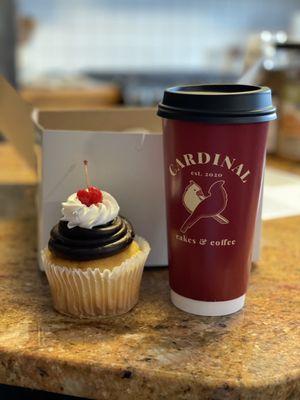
(287, 70)
(7, 40)
(145, 88)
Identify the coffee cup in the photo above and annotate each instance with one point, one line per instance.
(214, 150)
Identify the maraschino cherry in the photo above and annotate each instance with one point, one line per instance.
(90, 195)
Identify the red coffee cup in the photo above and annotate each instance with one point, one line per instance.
(214, 151)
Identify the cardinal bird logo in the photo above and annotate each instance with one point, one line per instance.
(201, 206)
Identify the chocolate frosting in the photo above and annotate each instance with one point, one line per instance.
(89, 244)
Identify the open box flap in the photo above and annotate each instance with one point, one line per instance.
(16, 123)
(19, 125)
(117, 119)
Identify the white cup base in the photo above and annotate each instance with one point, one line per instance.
(207, 308)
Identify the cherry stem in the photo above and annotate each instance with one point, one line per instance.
(86, 172)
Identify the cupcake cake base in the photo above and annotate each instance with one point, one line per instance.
(96, 291)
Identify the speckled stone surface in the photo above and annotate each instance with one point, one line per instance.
(155, 351)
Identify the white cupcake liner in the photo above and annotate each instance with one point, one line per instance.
(91, 293)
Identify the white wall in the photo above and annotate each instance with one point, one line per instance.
(115, 35)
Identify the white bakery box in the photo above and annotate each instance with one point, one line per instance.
(124, 150)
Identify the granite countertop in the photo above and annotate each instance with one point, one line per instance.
(155, 351)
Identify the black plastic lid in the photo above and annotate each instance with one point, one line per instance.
(218, 103)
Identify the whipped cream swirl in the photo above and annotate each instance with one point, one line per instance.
(78, 214)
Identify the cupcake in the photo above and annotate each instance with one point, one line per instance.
(94, 262)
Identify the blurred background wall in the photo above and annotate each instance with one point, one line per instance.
(86, 54)
(97, 53)
(143, 35)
